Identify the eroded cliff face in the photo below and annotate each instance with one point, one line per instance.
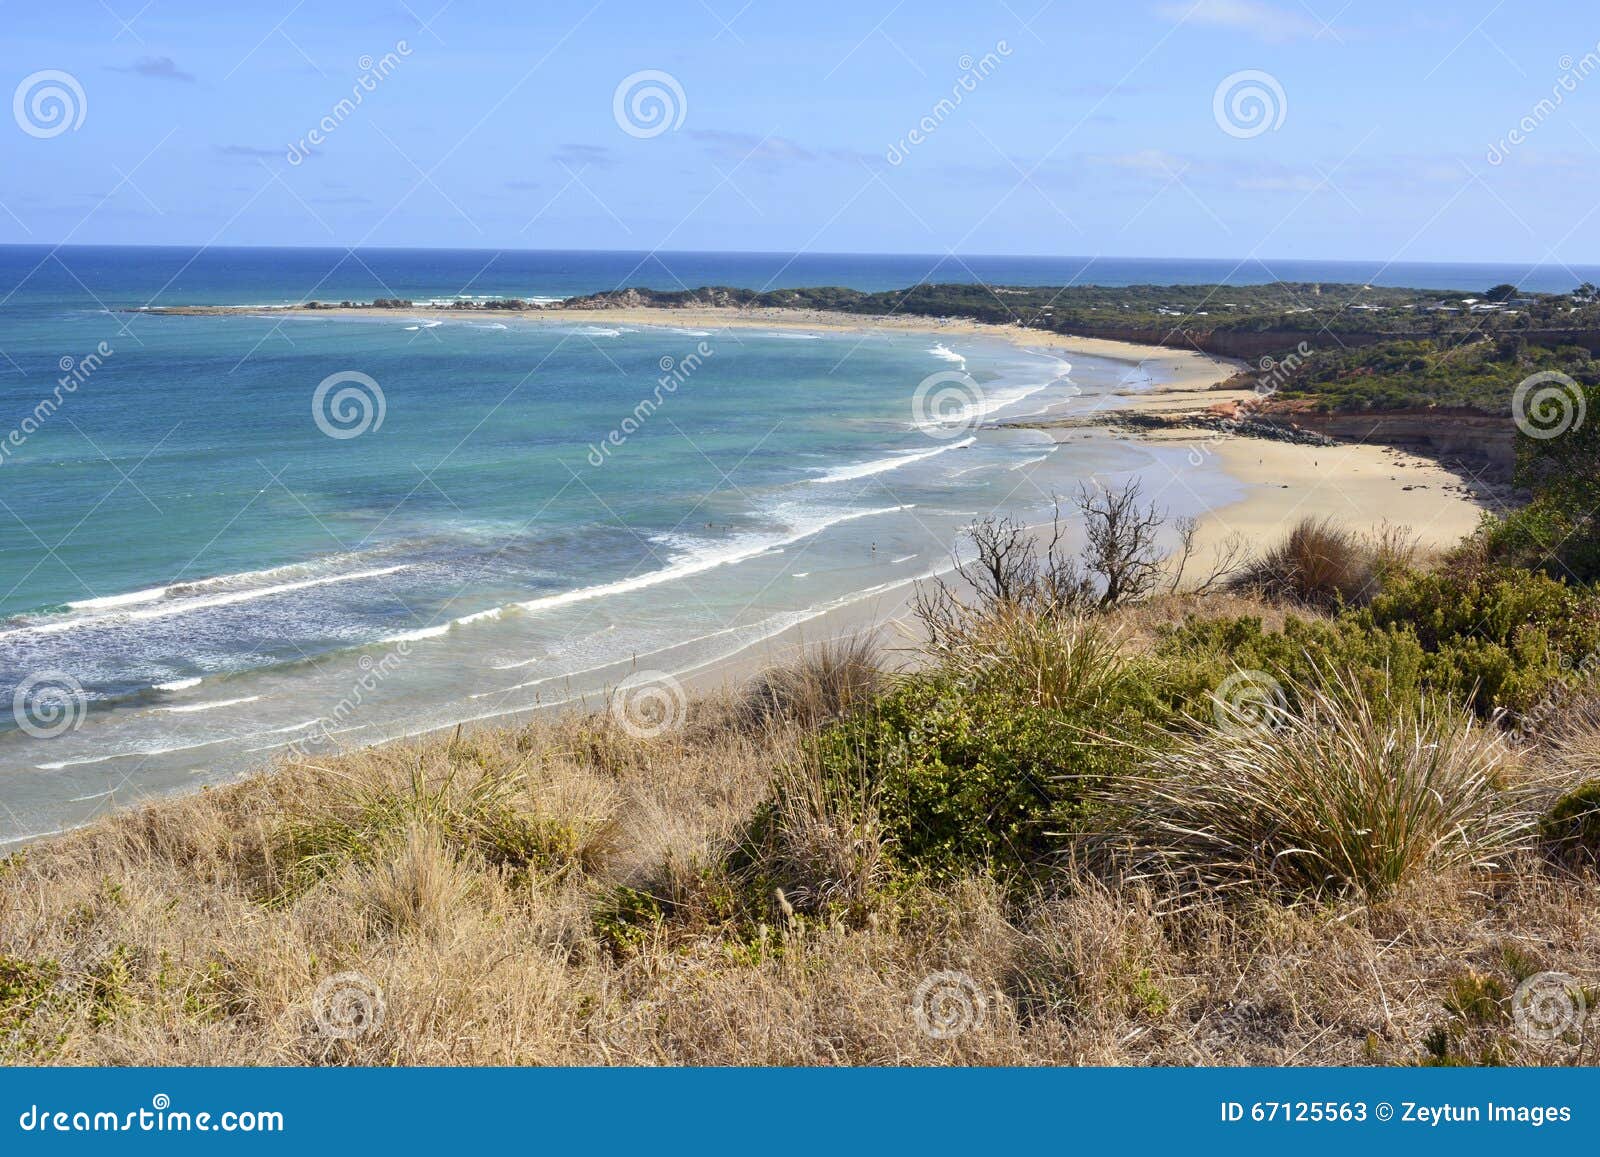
(1252, 344)
(1481, 442)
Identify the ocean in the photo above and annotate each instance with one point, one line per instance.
(221, 536)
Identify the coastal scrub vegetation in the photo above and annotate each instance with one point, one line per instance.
(1338, 810)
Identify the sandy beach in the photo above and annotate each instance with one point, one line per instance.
(1363, 486)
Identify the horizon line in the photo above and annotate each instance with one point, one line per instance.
(1522, 263)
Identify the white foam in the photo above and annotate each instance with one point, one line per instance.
(132, 598)
(944, 353)
(212, 706)
(443, 628)
(1030, 462)
(179, 684)
(127, 755)
(697, 561)
(418, 635)
(181, 606)
(882, 465)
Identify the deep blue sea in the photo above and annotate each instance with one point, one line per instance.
(222, 535)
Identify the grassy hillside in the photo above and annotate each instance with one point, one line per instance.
(1339, 810)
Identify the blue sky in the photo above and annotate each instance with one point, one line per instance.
(1094, 129)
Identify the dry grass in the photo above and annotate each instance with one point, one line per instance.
(482, 882)
(1343, 796)
(1324, 564)
(822, 682)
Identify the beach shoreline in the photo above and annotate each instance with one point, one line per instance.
(1239, 487)
(1362, 485)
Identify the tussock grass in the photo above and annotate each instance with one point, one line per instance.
(1324, 564)
(1344, 796)
(1074, 663)
(822, 682)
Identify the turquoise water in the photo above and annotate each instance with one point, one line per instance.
(202, 565)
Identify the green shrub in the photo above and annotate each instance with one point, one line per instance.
(976, 762)
(1496, 638)
(1501, 637)
(24, 985)
(1388, 663)
(1571, 828)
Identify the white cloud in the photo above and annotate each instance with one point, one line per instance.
(1274, 25)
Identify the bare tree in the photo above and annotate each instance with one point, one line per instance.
(1226, 557)
(1015, 568)
(1012, 568)
(1122, 544)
